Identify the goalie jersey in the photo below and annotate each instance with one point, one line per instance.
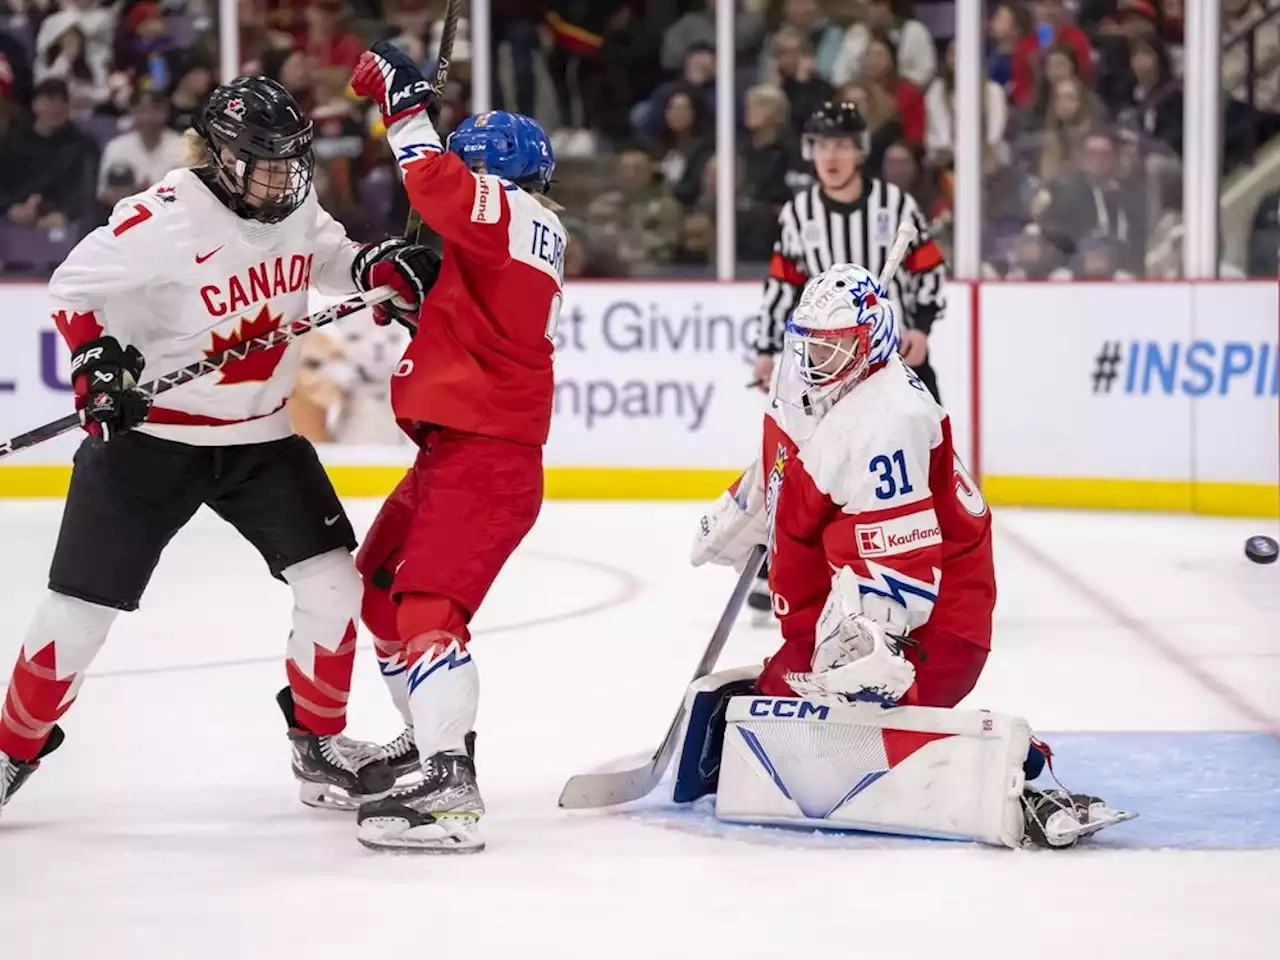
(875, 485)
(179, 276)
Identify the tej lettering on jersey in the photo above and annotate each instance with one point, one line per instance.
(268, 279)
(548, 246)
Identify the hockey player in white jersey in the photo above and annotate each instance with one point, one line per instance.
(212, 255)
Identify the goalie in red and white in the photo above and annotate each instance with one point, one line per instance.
(880, 565)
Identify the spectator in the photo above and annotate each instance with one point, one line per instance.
(409, 24)
(880, 112)
(629, 71)
(1009, 23)
(1052, 28)
(1262, 90)
(145, 46)
(15, 67)
(1057, 65)
(794, 69)
(515, 24)
(1154, 104)
(909, 39)
(638, 222)
(135, 160)
(698, 27)
(67, 58)
(96, 24)
(577, 29)
(292, 70)
(902, 167)
(47, 169)
(1171, 27)
(939, 105)
(340, 141)
(881, 68)
(10, 109)
(803, 19)
(192, 81)
(770, 157)
(1034, 259)
(699, 76)
(684, 144)
(1071, 118)
(1129, 19)
(324, 40)
(260, 33)
(1093, 203)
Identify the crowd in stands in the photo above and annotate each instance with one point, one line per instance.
(1082, 113)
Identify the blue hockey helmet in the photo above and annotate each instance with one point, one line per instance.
(507, 145)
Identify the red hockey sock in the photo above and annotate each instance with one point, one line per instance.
(33, 703)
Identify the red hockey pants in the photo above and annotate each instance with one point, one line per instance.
(445, 532)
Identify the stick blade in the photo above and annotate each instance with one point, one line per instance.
(587, 791)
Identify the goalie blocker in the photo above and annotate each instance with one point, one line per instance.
(912, 771)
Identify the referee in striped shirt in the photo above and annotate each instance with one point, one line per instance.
(846, 217)
(849, 217)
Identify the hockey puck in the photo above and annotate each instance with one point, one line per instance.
(1261, 549)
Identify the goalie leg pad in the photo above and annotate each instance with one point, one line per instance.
(698, 762)
(913, 771)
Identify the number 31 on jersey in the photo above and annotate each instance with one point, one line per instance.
(891, 471)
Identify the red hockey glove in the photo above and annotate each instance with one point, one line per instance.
(407, 268)
(393, 81)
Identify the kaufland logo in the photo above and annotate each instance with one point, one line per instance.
(877, 541)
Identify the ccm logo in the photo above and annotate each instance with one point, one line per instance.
(422, 86)
(788, 709)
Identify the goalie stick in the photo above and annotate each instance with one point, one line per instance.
(622, 786)
(905, 237)
(153, 388)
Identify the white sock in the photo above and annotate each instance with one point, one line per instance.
(444, 696)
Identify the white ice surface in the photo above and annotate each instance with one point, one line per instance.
(167, 826)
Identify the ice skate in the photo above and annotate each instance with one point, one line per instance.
(1057, 819)
(329, 779)
(14, 773)
(437, 815)
(400, 754)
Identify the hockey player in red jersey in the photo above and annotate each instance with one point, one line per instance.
(474, 391)
(880, 543)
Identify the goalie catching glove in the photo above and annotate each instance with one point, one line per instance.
(854, 658)
(409, 269)
(105, 377)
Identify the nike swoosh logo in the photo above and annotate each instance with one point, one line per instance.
(330, 521)
(202, 259)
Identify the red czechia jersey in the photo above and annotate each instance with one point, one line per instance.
(876, 486)
(481, 359)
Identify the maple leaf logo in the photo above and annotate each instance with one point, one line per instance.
(258, 366)
(77, 328)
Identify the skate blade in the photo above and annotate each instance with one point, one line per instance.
(325, 796)
(448, 835)
(1108, 819)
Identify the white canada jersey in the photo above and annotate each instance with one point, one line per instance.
(179, 276)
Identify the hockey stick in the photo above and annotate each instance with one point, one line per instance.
(413, 226)
(905, 237)
(153, 388)
(622, 786)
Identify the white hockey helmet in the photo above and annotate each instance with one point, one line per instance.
(844, 327)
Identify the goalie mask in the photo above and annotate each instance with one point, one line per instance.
(844, 328)
(259, 142)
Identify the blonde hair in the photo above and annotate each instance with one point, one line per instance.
(1063, 140)
(773, 98)
(880, 106)
(197, 154)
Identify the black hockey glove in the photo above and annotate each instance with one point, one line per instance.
(105, 377)
(409, 269)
